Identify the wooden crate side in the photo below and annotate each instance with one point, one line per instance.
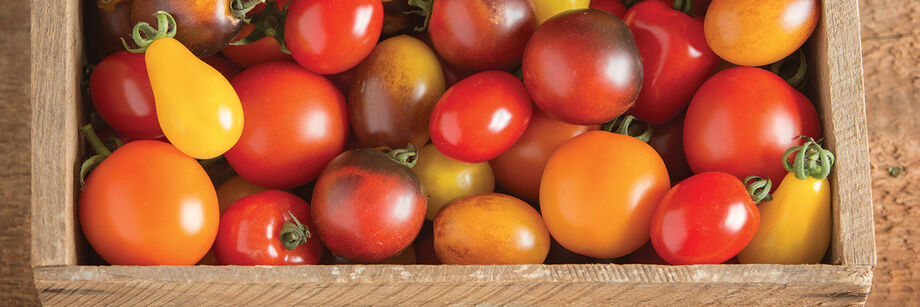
(438, 285)
(838, 56)
(57, 53)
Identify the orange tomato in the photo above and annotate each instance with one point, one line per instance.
(599, 191)
(233, 189)
(490, 229)
(149, 204)
(756, 32)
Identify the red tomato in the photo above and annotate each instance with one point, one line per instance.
(482, 35)
(480, 117)
(675, 58)
(252, 231)
(367, 207)
(149, 204)
(225, 67)
(331, 36)
(668, 141)
(520, 168)
(614, 7)
(582, 67)
(264, 50)
(742, 120)
(122, 95)
(295, 123)
(706, 219)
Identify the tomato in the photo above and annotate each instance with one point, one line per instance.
(367, 207)
(675, 58)
(705, 219)
(614, 7)
(122, 95)
(445, 179)
(261, 229)
(331, 36)
(481, 35)
(264, 50)
(583, 67)
(598, 193)
(222, 65)
(742, 120)
(668, 141)
(204, 26)
(234, 189)
(756, 33)
(149, 204)
(393, 92)
(481, 116)
(490, 229)
(295, 123)
(549, 8)
(520, 168)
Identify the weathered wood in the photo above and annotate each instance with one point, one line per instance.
(439, 285)
(56, 75)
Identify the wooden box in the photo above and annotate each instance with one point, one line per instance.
(836, 87)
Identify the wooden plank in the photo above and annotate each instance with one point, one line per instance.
(840, 90)
(440, 285)
(56, 73)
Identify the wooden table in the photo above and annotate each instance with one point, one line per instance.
(891, 50)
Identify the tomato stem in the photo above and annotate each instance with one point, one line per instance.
(625, 125)
(425, 7)
(797, 79)
(759, 189)
(408, 156)
(810, 161)
(144, 35)
(684, 6)
(294, 234)
(269, 22)
(99, 147)
(239, 8)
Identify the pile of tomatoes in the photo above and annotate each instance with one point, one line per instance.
(453, 131)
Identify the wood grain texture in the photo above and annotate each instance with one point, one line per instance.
(440, 285)
(56, 75)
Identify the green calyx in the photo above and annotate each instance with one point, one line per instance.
(143, 34)
(797, 78)
(102, 152)
(759, 188)
(684, 6)
(406, 156)
(630, 126)
(810, 160)
(269, 22)
(424, 10)
(293, 234)
(239, 8)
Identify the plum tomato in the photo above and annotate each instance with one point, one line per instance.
(483, 34)
(331, 36)
(756, 33)
(583, 67)
(444, 179)
(122, 95)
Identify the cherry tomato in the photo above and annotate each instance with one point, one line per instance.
(393, 93)
(549, 8)
(295, 123)
(234, 189)
(367, 207)
(204, 26)
(261, 230)
(122, 95)
(481, 116)
(481, 35)
(224, 66)
(331, 36)
(598, 193)
(149, 204)
(490, 229)
(667, 140)
(742, 120)
(445, 179)
(520, 168)
(675, 58)
(614, 7)
(264, 50)
(582, 67)
(705, 219)
(756, 33)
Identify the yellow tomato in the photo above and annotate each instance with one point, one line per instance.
(444, 179)
(757, 32)
(549, 8)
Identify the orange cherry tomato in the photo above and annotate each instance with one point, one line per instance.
(756, 32)
(234, 189)
(599, 191)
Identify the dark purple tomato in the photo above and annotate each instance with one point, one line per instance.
(483, 34)
(204, 26)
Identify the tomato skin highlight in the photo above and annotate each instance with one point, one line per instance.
(295, 123)
(331, 36)
(742, 120)
(122, 95)
(481, 116)
(706, 219)
(149, 204)
(756, 33)
(481, 35)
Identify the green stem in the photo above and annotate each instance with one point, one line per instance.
(144, 35)
(630, 126)
(425, 7)
(406, 156)
(294, 234)
(810, 160)
(270, 23)
(797, 79)
(94, 141)
(239, 8)
(684, 6)
(759, 189)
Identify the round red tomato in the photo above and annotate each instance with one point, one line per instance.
(482, 35)
(260, 229)
(675, 58)
(367, 207)
(481, 116)
(614, 7)
(705, 219)
(742, 120)
(331, 36)
(122, 95)
(149, 204)
(295, 123)
(582, 67)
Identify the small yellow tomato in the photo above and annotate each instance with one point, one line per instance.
(546, 9)
(444, 179)
(233, 189)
